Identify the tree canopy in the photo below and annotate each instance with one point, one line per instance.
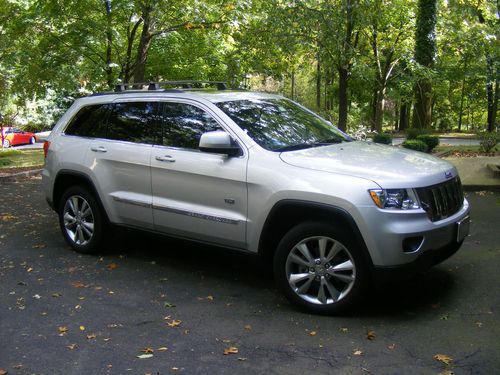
(382, 64)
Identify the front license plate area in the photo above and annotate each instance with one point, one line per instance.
(463, 228)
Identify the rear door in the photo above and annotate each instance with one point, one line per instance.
(197, 194)
(120, 161)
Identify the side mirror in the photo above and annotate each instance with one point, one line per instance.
(218, 142)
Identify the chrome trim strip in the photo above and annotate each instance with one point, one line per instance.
(134, 203)
(218, 219)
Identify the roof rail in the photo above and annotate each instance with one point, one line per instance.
(185, 84)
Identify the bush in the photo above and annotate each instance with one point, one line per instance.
(430, 140)
(383, 138)
(415, 144)
(488, 141)
(413, 133)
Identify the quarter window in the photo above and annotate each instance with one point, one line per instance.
(90, 121)
(183, 124)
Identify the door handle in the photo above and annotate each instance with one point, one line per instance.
(166, 158)
(98, 149)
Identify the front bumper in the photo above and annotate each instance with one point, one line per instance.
(403, 238)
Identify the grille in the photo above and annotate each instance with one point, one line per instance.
(442, 200)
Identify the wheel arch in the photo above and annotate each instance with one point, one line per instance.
(286, 214)
(65, 179)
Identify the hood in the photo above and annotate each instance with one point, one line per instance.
(388, 166)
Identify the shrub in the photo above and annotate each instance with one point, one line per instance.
(488, 141)
(415, 144)
(383, 138)
(413, 133)
(430, 140)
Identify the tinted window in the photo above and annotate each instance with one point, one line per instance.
(133, 122)
(281, 125)
(90, 121)
(183, 125)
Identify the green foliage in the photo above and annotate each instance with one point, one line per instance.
(384, 138)
(415, 144)
(413, 133)
(488, 141)
(430, 140)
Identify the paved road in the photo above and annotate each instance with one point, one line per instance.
(65, 313)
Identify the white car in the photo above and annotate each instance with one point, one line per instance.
(255, 173)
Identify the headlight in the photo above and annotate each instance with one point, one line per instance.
(402, 199)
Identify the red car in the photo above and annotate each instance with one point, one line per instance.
(14, 136)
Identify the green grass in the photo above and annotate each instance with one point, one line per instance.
(20, 158)
(460, 148)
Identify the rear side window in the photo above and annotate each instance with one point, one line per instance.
(134, 122)
(90, 121)
(183, 124)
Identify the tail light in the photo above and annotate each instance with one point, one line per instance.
(46, 146)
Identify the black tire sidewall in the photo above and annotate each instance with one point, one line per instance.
(341, 234)
(93, 245)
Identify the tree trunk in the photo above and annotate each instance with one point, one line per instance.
(461, 113)
(492, 94)
(318, 84)
(425, 52)
(144, 44)
(343, 100)
(403, 117)
(109, 43)
(292, 90)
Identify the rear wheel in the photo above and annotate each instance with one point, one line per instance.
(320, 268)
(32, 140)
(81, 220)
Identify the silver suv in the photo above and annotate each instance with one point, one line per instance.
(256, 173)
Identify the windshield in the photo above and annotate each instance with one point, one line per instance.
(281, 125)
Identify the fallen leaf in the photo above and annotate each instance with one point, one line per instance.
(78, 284)
(445, 317)
(70, 347)
(231, 350)
(344, 330)
(248, 327)
(162, 349)
(7, 217)
(147, 350)
(29, 269)
(91, 336)
(37, 296)
(175, 368)
(446, 372)
(112, 266)
(39, 246)
(62, 330)
(313, 333)
(370, 335)
(56, 295)
(106, 339)
(357, 352)
(443, 358)
(168, 304)
(174, 323)
(242, 359)
(479, 324)
(144, 356)
(82, 328)
(3, 372)
(210, 298)
(391, 347)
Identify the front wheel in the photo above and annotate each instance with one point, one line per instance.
(320, 268)
(81, 220)
(6, 143)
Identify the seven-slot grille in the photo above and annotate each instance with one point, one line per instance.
(442, 200)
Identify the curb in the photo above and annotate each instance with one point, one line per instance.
(472, 188)
(15, 176)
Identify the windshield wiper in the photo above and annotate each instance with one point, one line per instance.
(301, 146)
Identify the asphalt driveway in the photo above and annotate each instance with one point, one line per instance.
(155, 306)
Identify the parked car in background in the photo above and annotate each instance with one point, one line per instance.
(14, 136)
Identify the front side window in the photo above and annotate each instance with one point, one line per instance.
(183, 124)
(134, 122)
(90, 121)
(281, 125)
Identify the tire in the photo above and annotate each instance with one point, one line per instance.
(6, 143)
(320, 268)
(32, 140)
(81, 220)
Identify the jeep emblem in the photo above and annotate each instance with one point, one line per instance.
(448, 174)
